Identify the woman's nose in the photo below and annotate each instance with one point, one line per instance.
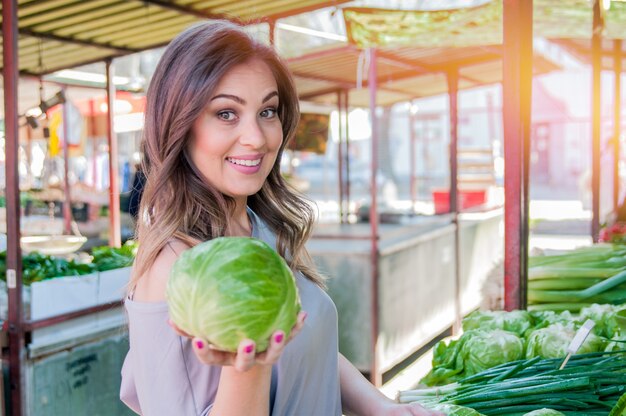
(252, 134)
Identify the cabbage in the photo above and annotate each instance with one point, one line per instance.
(552, 342)
(609, 319)
(476, 350)
(485, 349)
(513, 321)
(232, 288)
(546, 318)
(544, 412)
(452, 409)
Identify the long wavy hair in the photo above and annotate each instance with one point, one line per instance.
(177, 203)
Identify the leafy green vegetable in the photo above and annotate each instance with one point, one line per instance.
(552, 342)
(453, 409)
(515, 321)
(232, 288)
(544, 412)
(606, 317)
(109, 258)
(620, 407)
(475, 351)
(484, 349)
(37, 267)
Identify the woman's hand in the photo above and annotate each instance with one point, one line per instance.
(412, 409)
(245, 357)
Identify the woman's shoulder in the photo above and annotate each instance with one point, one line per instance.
(151, 286)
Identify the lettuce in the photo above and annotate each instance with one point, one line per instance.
(515, 321)
(232, 288)
(544, 412)
(552, 342)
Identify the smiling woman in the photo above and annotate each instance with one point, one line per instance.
(220, 110)
(240, 133)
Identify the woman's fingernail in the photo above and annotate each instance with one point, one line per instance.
(199, 344)
(279, 338)
(304, 315)
(249, 349)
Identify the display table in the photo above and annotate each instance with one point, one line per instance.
(416, 280)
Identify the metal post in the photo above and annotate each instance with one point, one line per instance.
(12, 195)
(340, 157)
(115, 239)
(375, 376)
(412, 184)
(67, 201)
(346, 113)
(617, 127)
(596, 110)
(272, 31)
(516, 90)
(453, 93)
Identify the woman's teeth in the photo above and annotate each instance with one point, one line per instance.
(244, 162)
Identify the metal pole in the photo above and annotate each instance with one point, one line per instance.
(617, 127)
(346, 112)
(375, 376)
(272, 31)
(67, 202)
(412, 189)
(340, 157)
(453, 93)
(596, 110)
(115, 239)
(12, 194)
(516, 90)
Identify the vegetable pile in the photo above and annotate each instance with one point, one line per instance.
(492, 338)
(590, 384)
(578, 278)
(232, 288)
(37, 267)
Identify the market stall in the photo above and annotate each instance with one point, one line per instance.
(81, 341)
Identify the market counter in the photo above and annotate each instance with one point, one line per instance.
(416, 280)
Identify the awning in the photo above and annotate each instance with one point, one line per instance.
(403, 73)
(479, 25)
(58, 34)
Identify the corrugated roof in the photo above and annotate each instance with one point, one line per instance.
(403, 73)
(581, 49)
(58, 34)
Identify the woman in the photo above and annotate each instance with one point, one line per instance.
(220, 109)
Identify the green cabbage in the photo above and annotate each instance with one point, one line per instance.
(476, 350)
(546, 318)
(552, 342)
(453, 409)
(484, 349)
(514, 321)
(232, 288)
(610, 319)
(544, 412)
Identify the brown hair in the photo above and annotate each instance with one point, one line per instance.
(177, 202)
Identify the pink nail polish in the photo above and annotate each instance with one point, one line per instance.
(199, 344)
(249, 349)
(279, 338)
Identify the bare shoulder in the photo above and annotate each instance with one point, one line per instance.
(151, 286)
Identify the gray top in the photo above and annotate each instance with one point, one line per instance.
(161, 375)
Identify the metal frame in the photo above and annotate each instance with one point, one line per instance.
(617, 127)
(596, 128)
(14, 254)
(452, 77)
(516, 103)
(375, 375)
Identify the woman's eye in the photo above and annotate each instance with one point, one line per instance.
(226, 115)
(268, 113)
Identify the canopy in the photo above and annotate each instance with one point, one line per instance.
(479, 25)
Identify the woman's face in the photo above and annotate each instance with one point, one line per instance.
(237, 137)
